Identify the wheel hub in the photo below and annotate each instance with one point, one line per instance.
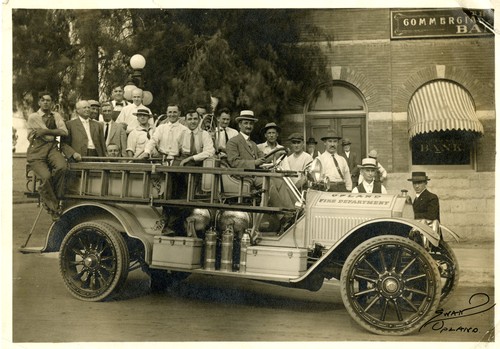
(91, 261)
(390, 285)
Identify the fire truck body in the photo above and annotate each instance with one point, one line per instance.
(114, 219)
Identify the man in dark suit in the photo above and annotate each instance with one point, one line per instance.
(242, 152)
(114, 133)
(352, 160)
(426, 204)
(85, 136)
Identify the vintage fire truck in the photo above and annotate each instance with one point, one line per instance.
(394, 271)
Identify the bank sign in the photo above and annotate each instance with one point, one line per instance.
(427, 23)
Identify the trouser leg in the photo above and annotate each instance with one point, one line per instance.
(59, 170)
(42, 170)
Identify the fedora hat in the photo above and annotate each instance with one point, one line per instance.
(346, 141)
(270, 125)
(419, 177)
(246, 115)
(296, 137)
(142, 112)
(368, 163)
(311, 140)
(332, 134)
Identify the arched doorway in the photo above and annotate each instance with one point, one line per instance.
(339, 107)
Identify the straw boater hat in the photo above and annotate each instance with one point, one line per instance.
(332, 134)
(368, 163)
(418, 177)
(142, 112)
(270, 125)
(311, 140)
(246, 115)
(296, 137)
(346, 141)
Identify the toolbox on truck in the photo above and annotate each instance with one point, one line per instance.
(276, 260)
(179, 251)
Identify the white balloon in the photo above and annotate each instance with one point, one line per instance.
(127, 91)
(147, 98)
(137, 61)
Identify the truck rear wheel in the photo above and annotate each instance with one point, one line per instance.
(93, 261)
(390, 285)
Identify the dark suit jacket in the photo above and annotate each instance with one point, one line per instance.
(240, 154)
(77, 140)
(426, 206)
(352, 162)
(118, 136)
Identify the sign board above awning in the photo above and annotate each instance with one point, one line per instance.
(429, 23)
(442, 106)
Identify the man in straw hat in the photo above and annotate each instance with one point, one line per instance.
(368, 169)
(242, 152)
(425, 204)
(335, 166)
(381, 173)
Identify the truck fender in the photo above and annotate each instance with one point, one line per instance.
(118, 216)
(364, 229)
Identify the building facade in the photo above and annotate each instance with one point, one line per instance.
(418, 87)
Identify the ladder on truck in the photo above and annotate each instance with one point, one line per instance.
(149, 183)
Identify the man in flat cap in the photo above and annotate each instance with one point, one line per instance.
(335, 166)
(425, 204)
(352, 160)
(270, 132)
(95, 106)
(368, 169)
(298, 160)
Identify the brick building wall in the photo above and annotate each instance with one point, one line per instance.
(387, 73)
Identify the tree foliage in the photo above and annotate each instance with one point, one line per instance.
(247, 58)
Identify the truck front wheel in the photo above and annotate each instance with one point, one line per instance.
(93, 261)
(390, 285)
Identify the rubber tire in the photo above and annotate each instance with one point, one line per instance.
(392, 328)
(114, 246)
(450, 285)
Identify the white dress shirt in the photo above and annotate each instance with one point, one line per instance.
(231, 132)
(330, 170)
(203, 144)
(296, 162)
(137, 140)
(166, 139)
(369, 188)
(86, 126)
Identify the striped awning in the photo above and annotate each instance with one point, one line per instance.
(442, 106)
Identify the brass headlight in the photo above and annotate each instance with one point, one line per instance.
(313, 171)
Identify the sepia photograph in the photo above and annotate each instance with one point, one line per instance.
(219, 175)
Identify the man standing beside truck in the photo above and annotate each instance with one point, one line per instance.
(334, 166)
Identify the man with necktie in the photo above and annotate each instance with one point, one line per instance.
(137, 139)
(43, 154)
(224, 132)
(196, 145)
(85, 136)
(334, 166)
(113, 132)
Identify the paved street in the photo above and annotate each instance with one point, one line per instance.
(203, 308)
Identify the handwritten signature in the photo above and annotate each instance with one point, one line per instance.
(479, 304)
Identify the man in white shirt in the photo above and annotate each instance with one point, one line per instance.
(127, 114)
(335, 166)
(271, 132)
(195, 144)
(224, 132)
(167, 136)
(138, 138)
(381, 173)
(298, 160)
(368, 169)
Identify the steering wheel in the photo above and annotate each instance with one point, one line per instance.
(274, 151)
(275, 164)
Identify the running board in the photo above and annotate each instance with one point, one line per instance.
(30, 249)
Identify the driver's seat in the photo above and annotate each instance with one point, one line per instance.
(230, 186)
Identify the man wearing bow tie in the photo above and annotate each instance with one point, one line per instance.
(117, 99)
